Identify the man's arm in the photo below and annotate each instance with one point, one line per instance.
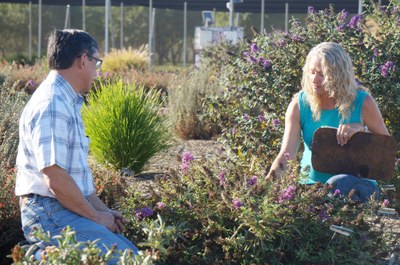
(69, 195)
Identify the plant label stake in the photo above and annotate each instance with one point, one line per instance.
(341, 230)
(392, 259)
(388, 188)
(387, 211)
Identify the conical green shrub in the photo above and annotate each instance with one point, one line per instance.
(124, 125)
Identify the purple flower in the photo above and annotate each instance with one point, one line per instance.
(336, 193)
(184, 167)
(254, 47)
(376, 52)
(311, 10)
(287, 156)
(386, 68)
(31, 83)
(221, 178)
(354, 21)
(237, 203)
(287, 194)
(261, 60)
(246, 117)
(252, 59)
(343, 15)
(252, 181)
(143, 212)
(324, 216)
(234, 131)
(385, 203)
(340, 28)
(106, 74)
(267, 63)
(245, 53)
(187, 157)
(261, 118)
(297, 37)
(382, 8)
(160, 205)
(276, 122)
(281, 43)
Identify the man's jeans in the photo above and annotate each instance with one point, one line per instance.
(48, 214)
(364, 188)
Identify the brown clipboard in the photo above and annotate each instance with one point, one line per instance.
(365, 154)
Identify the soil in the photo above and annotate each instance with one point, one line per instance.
(170, 160)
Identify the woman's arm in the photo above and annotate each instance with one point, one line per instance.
(371, 117)
(291, 139)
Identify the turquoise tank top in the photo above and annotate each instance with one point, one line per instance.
(328, 118)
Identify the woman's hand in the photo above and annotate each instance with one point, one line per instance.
(346, 131)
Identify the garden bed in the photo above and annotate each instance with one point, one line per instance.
(170, 160)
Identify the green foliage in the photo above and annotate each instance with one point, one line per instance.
(12, 103)
(261, 80)
(109, 185)
(225, 212)
(125, 59)
(10, 223)
(124, 125)
(185, 98)
(69, 251)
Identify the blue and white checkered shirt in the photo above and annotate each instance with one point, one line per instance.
(51, 132)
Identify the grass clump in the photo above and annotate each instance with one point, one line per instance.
(125, 59)
(124, 125)
(186, 102)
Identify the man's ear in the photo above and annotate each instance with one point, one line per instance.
(80, 61)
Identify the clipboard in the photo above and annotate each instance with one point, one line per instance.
(365, 154)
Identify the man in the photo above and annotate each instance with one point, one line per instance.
(54, 180)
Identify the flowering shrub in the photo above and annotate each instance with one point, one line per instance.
(10, 222)
(224, 212)
(261, 79)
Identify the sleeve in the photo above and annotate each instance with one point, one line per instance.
(50, 136)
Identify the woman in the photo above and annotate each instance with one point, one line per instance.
(330, 96)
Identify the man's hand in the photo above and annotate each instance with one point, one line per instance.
(107, 219)
(119, 221)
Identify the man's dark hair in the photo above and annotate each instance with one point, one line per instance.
(64, 46)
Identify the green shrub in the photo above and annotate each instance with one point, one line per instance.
(12, 104)
(224, 212)
(185, 98)
(109, 185)
(10, 221)
(124, 125)
(125, 59)
(69, 251)
(261, 80)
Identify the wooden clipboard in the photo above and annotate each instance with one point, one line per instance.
(365, 154)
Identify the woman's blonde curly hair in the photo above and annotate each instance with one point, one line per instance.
(339, 80)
